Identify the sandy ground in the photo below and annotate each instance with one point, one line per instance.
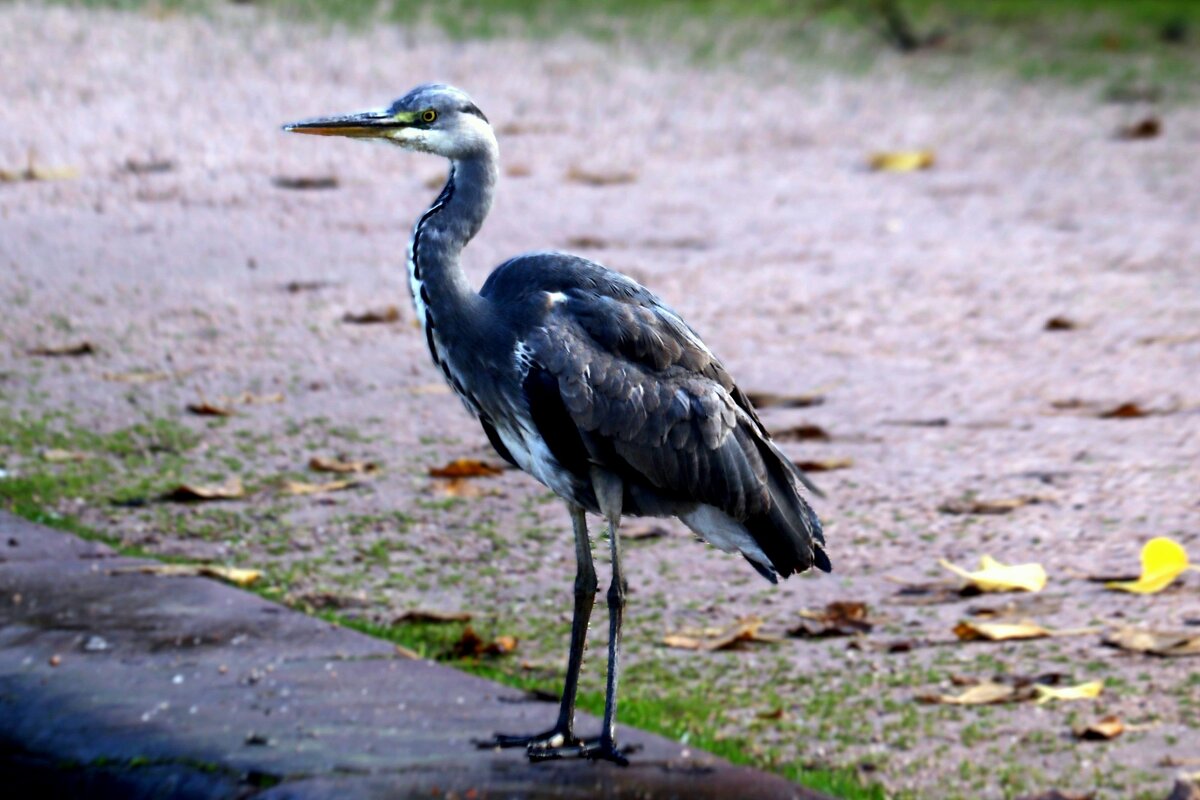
(746, 204)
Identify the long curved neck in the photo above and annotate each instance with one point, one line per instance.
(441, 293)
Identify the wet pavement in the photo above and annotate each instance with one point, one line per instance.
(115, 683)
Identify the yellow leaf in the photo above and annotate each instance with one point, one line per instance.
(322, 464)
(301, 488)
(993, 576)
(902, 160)
(1084, 691)
(231, 489)
(979, 695)
(56, 456)
(744, 630)
(1163, 560)
(234, 575)
(1100, 730)
(999, 631)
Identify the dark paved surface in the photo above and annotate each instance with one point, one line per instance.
(132, 685)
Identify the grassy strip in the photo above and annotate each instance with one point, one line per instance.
(135, 463)
(1125, 44)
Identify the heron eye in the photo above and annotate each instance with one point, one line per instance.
(428, 116)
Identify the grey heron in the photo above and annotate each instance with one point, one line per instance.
(591, 384)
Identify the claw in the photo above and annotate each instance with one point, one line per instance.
(599, 749)
(550, 739)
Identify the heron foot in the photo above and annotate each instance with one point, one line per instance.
(553, 738)
(599, 749)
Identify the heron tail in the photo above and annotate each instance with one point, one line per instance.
(788, 531)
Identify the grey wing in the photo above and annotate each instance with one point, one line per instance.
(625, 384)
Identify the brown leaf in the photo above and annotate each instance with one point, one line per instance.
(464, 488)
(773, 399)
(469, 645)
(710, 639)
(774, 713)
(305, 182)
(587, 242)
(466, 468)
(928, 594)
(980, 694)
(577, 174)
(840, 618)
(135, 167)
(298, 488)
(384, 315)
(1101, 730)
(642, 530)
(337, 465)
(425, 615)
(801, 433)
(999, 631)
(823, 464)
(136, 377)
(1058, 323)
(207, 409)
(1155, 642)
(1124, 411)
(295, 287)
(70, 350)
(57, 456)
(518, 171)
(1145, 128)
(194, 492)
(993, 506)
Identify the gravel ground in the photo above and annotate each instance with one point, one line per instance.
(915, 304)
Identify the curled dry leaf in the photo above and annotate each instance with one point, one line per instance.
(235, 575)
(342, 467)
(1082, 691)
(1155, 642)
(64, 350)
(464, 488)
(1060, 323)
(901, 160)
(466, 468)
(305, 182)
(431, 615)
(1101, 730)
(207, 409)
(231, 489)
(136, 377)
(770, 399)
(992, 576)
(56, 456)
(980, 694)
(801, 433)
(1124, 411)
(385, 315)
(1163, 560)
(710, 639)
(823, 464)
(990, 507)
(999, 631)
(297, 488)
(577, 174)
(470, 645)
(841, 618)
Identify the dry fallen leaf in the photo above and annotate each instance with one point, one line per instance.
(431, 615)
(999, 631)
(301, 488)
(32, 171)
(1083, 691)
(901, 160)
(136, 167)
(981, 694)
(69, 350)
(464, 488)
(1163, 560)
(769, 399)
(801, 433)
(839, 618)
(643, 530)
(992, 507)
(1155, 642)
(384, 315)
(710, 639)
(1060, 323)
(823, 464)
(235, 575)
(306, 182)
(56, 456)
(1145, 128)
(340, 466)
(188, 492)
(1101, 730)
(774, 713)
(1124, 411)
(469, 645)
(207, 409)
(136, 377)
(466, 468)
(578, 174)
(992, 576)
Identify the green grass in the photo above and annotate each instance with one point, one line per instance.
(1128, 46)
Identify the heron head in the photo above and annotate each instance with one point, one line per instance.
(432, 118)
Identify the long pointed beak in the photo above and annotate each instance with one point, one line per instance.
(364, 125)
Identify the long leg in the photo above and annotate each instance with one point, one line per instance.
(563, 732)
